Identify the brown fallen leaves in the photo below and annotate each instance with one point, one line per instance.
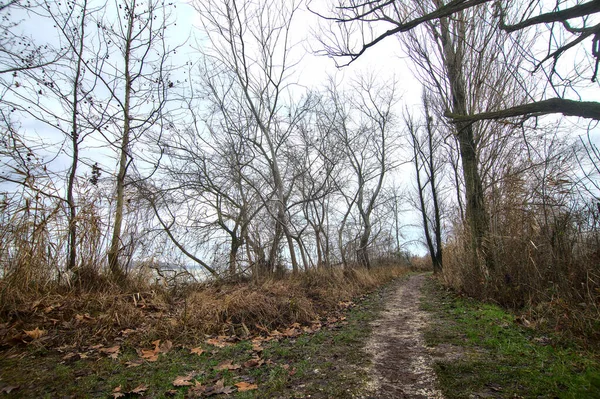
(245, 386)
(227, 365)
(197, 351)
(210, 390)
(196, 389)
(183, 381)
(254, 362)
(35, 334)
(89, 352)
(112, 352)
(151, 355)
(220, 342)
(118, 392)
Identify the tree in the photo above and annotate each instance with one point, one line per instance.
(132, 62)
(250, 43)
(40, 90)
(426, 148)
(567, 28)
(364, 126)
(466, 81)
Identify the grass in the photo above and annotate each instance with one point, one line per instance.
(500, 357)
(328, 363)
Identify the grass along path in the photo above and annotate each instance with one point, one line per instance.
(327, 363)
(482, 351)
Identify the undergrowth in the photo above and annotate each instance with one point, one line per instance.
(79, 317)
(502, 355)
(324, 360)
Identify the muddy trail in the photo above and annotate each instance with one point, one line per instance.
(402, 367)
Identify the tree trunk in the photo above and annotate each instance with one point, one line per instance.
(115, 246)
(235, 245)
(476, 214)
(72, 255)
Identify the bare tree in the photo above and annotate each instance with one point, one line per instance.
(569, 27)
(466, 81)
(36, 92)
(364, 125)
(426, 150)
(132, 62)
(250, 41)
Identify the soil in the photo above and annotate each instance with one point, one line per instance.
(402, 366)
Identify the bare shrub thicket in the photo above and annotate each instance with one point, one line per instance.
(545, 240)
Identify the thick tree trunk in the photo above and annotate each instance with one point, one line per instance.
(476, 214)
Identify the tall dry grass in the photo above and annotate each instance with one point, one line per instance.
(546, 262)
(224, 308)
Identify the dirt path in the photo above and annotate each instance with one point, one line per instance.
(402, 366)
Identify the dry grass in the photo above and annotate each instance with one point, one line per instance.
(549, 272)
(87, 317)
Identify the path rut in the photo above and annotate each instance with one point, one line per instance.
(402, 366)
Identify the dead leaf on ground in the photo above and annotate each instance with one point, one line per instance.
(256, 347)
(244, 386)
(127, 331)
(254, 362)
(218, 342)
(117, 392)
(292, 332)
(312, 329)
(197, 351)
(196, 390)
(227, 365)
(112, 352)
(166, 347)
(35, 334)
(219, 388)
(139, 390)
(183, 380)
(151, 355)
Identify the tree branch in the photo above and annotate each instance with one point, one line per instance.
(582, 109)
(580, 10)
(444, 11)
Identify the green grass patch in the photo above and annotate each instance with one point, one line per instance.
(500, 358)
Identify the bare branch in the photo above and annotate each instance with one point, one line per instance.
(582, 109)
